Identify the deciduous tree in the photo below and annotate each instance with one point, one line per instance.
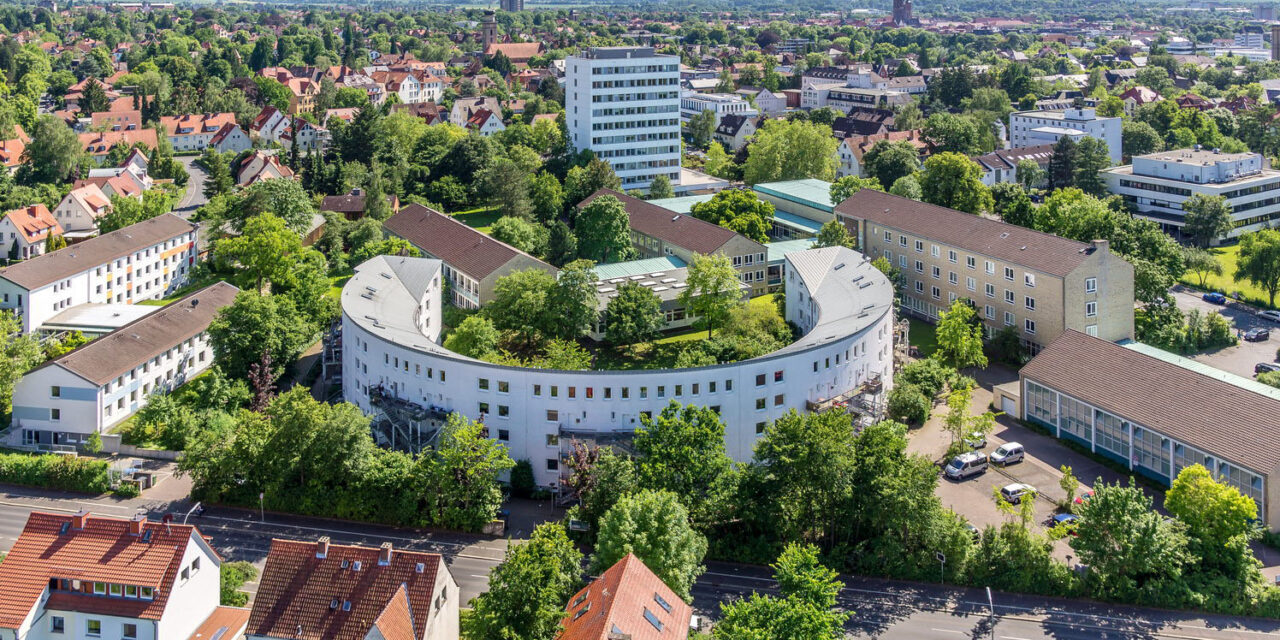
(653, 525)
(712, 291)
(960, 337)
(604, 230)
(1206, 218)
(1259, 261)
(635, 315)
(953, 180)
(785, 150)
(738, 210)
(528, 591)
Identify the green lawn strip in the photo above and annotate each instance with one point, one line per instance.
(479, 219)
(1226, 283)
(923, 337)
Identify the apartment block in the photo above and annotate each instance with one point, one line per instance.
(144, 261)
(1031, 128)
(623, 103)
(1038, 283)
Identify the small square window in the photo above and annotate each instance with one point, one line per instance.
(504, 435)
(760, 379)
(779, 400)
(760, 427)
(57, 624)
(760, 404)
(93, 628)
(129, 631)
(553, 464)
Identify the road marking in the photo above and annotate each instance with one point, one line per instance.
(1013, 638)
(946, 630)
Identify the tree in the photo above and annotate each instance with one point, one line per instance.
(219, 180)
(844, 187)
(1062, 163)
(1202, 263)
(1220, 522)
(583, 181)
(506, 187)
(261, 250)
(712, 292)
(785, 150)
(1091, 158)
(701, 127)
(654, 526)
(1030, 173)
(562, 245)
(952, 133)
(960, 337)
(255, 324)
(1133, 554)
(953, 180)
(1259, 261)
(19, 353)
(528, 591)
(1068, 483)
(94, 98)
(908, 187)
(529, 237)
(738, 210)
(476, 337)
(53, 153)
(1206, 218)
(546, 197)
(53, 242)
(283, 198)
(1139, 139)
(834, 234)
(462, 473)
(888, 161)
(604, 230)
(908, 404)
(572, 301)
(1012, 204)
(635, 315)
(805, 610)
(682, 451)
(231, 577)
(718, 162)
(660, 188)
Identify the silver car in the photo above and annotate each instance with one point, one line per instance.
(1014, 493)
(1008, 453)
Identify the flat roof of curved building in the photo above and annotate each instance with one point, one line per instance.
(849, 291)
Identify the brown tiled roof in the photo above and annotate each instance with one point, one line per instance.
(517, 51)
(1007, 242)
(1210, 414)
(1009, 158)
(396, 620)
(195, 123)
(448, 239)
(100, 143)
(34, 222)
(51, 267)
(118, 352)
(225, 623)
(616, 603)
(305, 597)
(698, 236)
(102, 551)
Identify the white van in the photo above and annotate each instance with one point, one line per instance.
(1008, 453)
(965, 465)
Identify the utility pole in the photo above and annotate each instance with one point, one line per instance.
(992, 606)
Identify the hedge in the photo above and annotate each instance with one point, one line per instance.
(54, 471)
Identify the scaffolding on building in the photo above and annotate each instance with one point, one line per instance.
(864, 403)
(404, 425)
(569, 439)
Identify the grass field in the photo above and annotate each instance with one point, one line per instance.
(661, 353)
(923, 337)
(479, 219)
(1226, 283)
(187, 290)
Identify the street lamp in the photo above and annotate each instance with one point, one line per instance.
(992, 606)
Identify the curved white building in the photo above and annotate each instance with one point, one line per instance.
(392, 363)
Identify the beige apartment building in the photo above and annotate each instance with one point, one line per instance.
(1039, 283)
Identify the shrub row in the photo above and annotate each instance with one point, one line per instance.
(53, 471)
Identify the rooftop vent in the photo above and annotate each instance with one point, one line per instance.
(675, 217)
(333, 604)
(1004, 235)
(838, 267)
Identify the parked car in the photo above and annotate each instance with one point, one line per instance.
(1008, 453)
(1215, 297)
(1264, 367)
(965, 465)
(1257, 334)
(1080, 499)
(1273, 316)
(1013, 493)
(973, 531)
(1068, 521)
(976, 440)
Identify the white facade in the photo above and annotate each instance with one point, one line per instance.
(841, 302)
(136, 273)
(80, 210)
(722, 104)
(1157, 184)
(623, 103)
(1031, 128)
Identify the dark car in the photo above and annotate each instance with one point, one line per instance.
(1264, 367)
(1067, 521)
(1215, 297)
(1257, 334)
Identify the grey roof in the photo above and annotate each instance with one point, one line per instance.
(383, 295)
(1203, 411)
(118, 352)
(849, 292)
(82, 256)
(445, 237)
(1010, 243)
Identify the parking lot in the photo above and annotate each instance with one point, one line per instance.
(1239, 359)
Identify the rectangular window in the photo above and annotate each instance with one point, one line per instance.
(553, 464)
(936, 292)
(952, 277)
(1030, 326)
(902, 241)
(1029, 279)
(919, 246)
(760, 427)
(971, 284)
(553, 415)
(537, 389)
(553, 440)
(573, 392)
(971, 262)
(644, 392)
(1008, 273)
(504, 387)
(935, 272)
(100, 588)
(555, 391)
(55, 414)
(504, 411)
(919, 287)
(591, 393)
(130, 591)
(1090, 285)
(779, 400)
(919, 267)
(991, 312)
(728, 385)
(57, 624)
(93, 628)
(1030, 303)
(129, 631)
(1008, 319)
(951, 256)
(484, 384)
(484, 408)
(55, 392)
(626, 393)
(990, 289)
(990, 266)
(760, 404)
(1091, 330)
(1008, 296)
(693, 388)
(760, 379)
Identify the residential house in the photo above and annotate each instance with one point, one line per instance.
(99, 143)
(766, 102)
(323, 591)
(116, 120)
(24, 231)
(628, 600)
(465, 108)
(852, 149)
(1036, 284)
(485, 122)
(1001, 165)
(352, 205)
(78, 213)
(1032, 128)
(1135, 97)
(734, 131)
(11, 149)
(270, 124)
(104, 382)
(261, 165)
(518, 52)
(430, 112)
(84, 576)
(194, 131)
(473, 261)
(230, 139)
(143, 261)
(657, 232)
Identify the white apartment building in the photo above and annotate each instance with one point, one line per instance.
(1031, 128)
(392, 355)
(144, 261)
(1250, 41)
(85, 391)
(722, 104)
(623, 103)
(77, 576)
(194, 131)
(1157, 184)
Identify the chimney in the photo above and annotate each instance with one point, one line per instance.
(322, 547)
(1100, 245)
(79, 520)
(135, 525)
(384, 554)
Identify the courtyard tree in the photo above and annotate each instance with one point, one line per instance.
(953, 180)
(790, 150)
(960, 337)
(834, 234)
(738, 210)
(1206, 218)
(653, 525)
(712, 292)
(634, 316)
(844, 187)
(604, 230)
(1259, 261)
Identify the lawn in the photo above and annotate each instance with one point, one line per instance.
(661, 353)
(479, 219)
(184, 291)
(336, 283)
(923, 337)
(1226, 283)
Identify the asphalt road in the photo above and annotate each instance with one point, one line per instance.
(194, 197)
(881, 608)
(1241, 358)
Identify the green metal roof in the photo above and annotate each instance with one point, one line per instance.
(682, 204)
(637, 267)
(794, 221)
(810, 192)
(1203, 369)
(779, 250)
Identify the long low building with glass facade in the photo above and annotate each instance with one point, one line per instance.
(1157, 413)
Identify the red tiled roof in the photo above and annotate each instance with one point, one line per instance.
(305, 597)
(225, 623)
(101, 143)
(618, 600)
(112, 119)
(516, 51)
(11, 149)
(34, 222)
(698, 236)
(448, 239)
(103, 551)
(195, 123)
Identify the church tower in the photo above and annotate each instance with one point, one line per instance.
(489, 31)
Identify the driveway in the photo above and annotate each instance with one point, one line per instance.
(194, 197)
(1241, 358)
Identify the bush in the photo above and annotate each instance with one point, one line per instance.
(929, 376)
(127, 490)
(522, 482)
(907, 403)
(53, 471)
(233, 576)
